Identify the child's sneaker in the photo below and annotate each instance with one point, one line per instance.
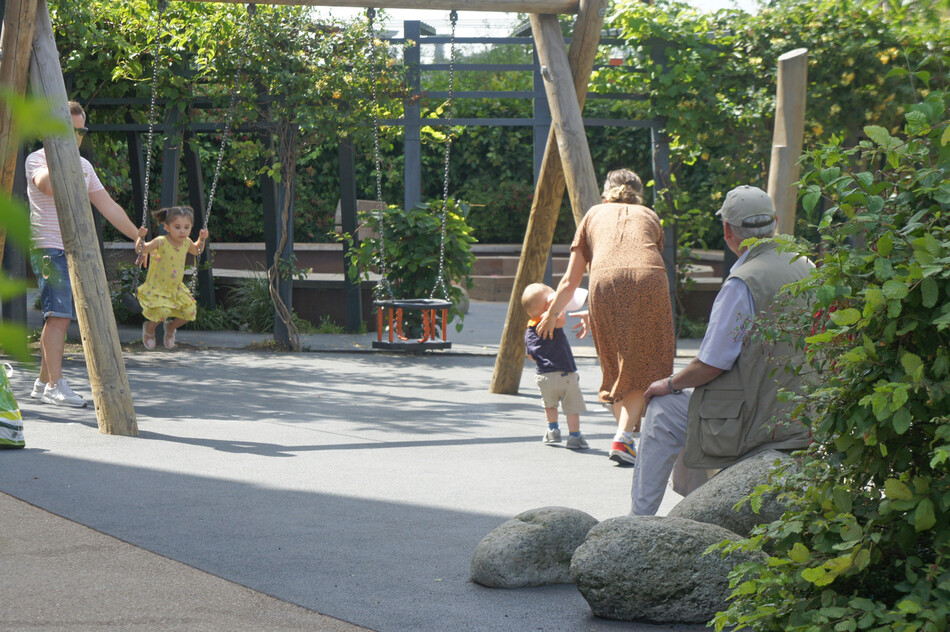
(576, 443)
(552, 436)
(623, 452)
(38, 387)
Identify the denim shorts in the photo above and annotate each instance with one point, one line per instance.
(52, 277)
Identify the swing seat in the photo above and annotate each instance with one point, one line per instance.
(390, 312)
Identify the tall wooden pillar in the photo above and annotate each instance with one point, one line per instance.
(107, 377)
(548, 195)
(788, 136)
(16, 42)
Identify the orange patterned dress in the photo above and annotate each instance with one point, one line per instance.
(630, 312)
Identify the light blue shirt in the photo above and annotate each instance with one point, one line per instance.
(731, 314)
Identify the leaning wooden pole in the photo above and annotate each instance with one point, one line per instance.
(548, 196)
(788, 136)
(100, 338)
(566, 116)
(16, 42)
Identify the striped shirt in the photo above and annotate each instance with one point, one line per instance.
(44, 223)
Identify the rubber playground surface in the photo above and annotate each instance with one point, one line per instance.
(266, 490)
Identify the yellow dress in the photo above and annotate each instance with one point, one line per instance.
(163, 295)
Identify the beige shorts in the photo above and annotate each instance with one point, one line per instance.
(561, 388)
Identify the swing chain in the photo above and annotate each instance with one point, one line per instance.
(440, 280)
(162, 5)
(383, 285)
(238, 70)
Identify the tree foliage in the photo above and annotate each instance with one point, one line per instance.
(866, 545)
(711, 78)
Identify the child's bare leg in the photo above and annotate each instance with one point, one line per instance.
(551, 415)
(150, 327)
(573, 422)
(171, 326)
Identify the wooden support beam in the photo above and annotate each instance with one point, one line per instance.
(16, 42)
(548, 196)
(509, 6)
(100, 338)
(788, 136)
(566, 116)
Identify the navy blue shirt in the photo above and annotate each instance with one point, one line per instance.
(551, 354)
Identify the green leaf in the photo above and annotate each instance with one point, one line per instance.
(799, 553)
(911, 363)
(929, 292)
(13, 341)
(885, 244)
(745, 588)
(908, 606)
(875, 204)
(924, 517)
(879, 135)
(846, 317)
(15, 219)
(901, 421)
(873, 299)
(896, 490)
(843, 499)
(810, 198)
(816, 576)
(894, 289)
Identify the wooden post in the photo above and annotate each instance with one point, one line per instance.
(787, 136)
(565, 114)
(548, 195)
(100, 338)
(16, 42)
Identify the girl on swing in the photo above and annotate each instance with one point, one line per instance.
(163, 296)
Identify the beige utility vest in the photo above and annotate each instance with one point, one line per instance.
(738, 413)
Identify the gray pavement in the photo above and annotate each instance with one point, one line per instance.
(265, 488)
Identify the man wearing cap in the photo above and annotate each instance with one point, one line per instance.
(723, 407)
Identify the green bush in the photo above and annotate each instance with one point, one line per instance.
(409, 253)
(867, 543)
(253, 307)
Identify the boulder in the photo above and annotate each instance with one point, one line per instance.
(714, 502)
(648, 568)
(532, 549)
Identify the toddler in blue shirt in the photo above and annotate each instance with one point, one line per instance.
(557, 377)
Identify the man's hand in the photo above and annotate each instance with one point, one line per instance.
(658, 388)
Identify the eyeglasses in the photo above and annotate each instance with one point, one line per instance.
(81, 131)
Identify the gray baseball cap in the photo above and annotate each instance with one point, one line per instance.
(743, 202)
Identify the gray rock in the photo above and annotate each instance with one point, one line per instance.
(714, 502)
(532, 549)
(648, 568)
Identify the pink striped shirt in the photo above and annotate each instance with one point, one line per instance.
(44, 223)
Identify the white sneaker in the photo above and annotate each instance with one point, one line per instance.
(38, 387)
(61, 395)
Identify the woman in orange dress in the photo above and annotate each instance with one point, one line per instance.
(631, 317)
